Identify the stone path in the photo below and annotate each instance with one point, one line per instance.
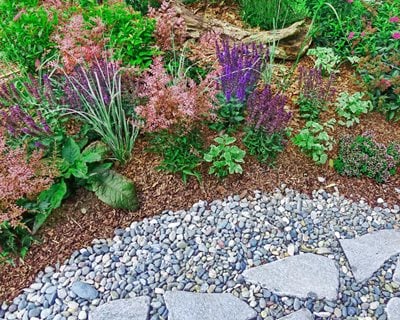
(281, 256)
(299, 276)
(367, 254)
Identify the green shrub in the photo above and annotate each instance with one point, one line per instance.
(350, 107)
(314, 141)
(362, 155)
(181, 151)
(263, 145)
(143, 5)
(130, 34)
(273, 14)
(229, 114)
(25, 38)
(224, 157)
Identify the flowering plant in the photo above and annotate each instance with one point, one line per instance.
(241, 68)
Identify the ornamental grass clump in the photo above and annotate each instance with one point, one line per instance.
(267, 120)
(363, 156)
(94, 95)
(315, 92)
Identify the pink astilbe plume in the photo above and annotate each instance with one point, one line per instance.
(20, 177)
(170, 102)
(170, 29)
(79, 44)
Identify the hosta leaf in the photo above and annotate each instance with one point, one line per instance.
(115, 190)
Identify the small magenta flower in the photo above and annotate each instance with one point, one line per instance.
(350, 1)
(351, 35)
(362, 34)
(396, 35)
(394, 19)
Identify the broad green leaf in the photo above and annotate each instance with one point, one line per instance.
(115, 190)
(94, 152)
(70, 152)
(52, 199)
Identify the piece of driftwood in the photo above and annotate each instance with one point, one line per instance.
(291, 41)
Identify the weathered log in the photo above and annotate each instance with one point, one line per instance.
(291, 41)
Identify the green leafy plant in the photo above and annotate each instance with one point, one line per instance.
(362, 155)
(265, 146)
(131, 34)
(314, 140)
(269, 14)
(181, 151)
(230, 114)
(14, 240)
(143, 5)
(224, 157)
(326, 59)
(25, 34)
(88, 168)
(350, 107)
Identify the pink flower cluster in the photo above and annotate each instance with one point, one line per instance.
(20, 178)
(170, 101)
(170, 29)
(394, 19)
(396, 35)
(78, 44)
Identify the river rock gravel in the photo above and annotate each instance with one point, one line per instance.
(206, 249)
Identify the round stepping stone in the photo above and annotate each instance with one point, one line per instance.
(300, 276)
(123, 309)
(303, 314)
(366, 254)
(184, 305)
(84, 290)
(393, 309)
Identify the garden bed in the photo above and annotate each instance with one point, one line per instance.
(82, 217)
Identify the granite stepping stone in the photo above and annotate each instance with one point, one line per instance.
(303, 314)
(393, 309)
(366, 254)
(84, 290)
(123, 309)
(396, 274)
(300, 276)
(184, 305)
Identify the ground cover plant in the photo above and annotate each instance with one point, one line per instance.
(114, 95)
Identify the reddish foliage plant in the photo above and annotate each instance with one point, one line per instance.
(20, 177)
(170, 27)
(171, 101)
(80, 42)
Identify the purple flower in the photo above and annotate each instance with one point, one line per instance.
(396, 35)
(394, 19)
(351, 35)
(241, 68)
(266, 111)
